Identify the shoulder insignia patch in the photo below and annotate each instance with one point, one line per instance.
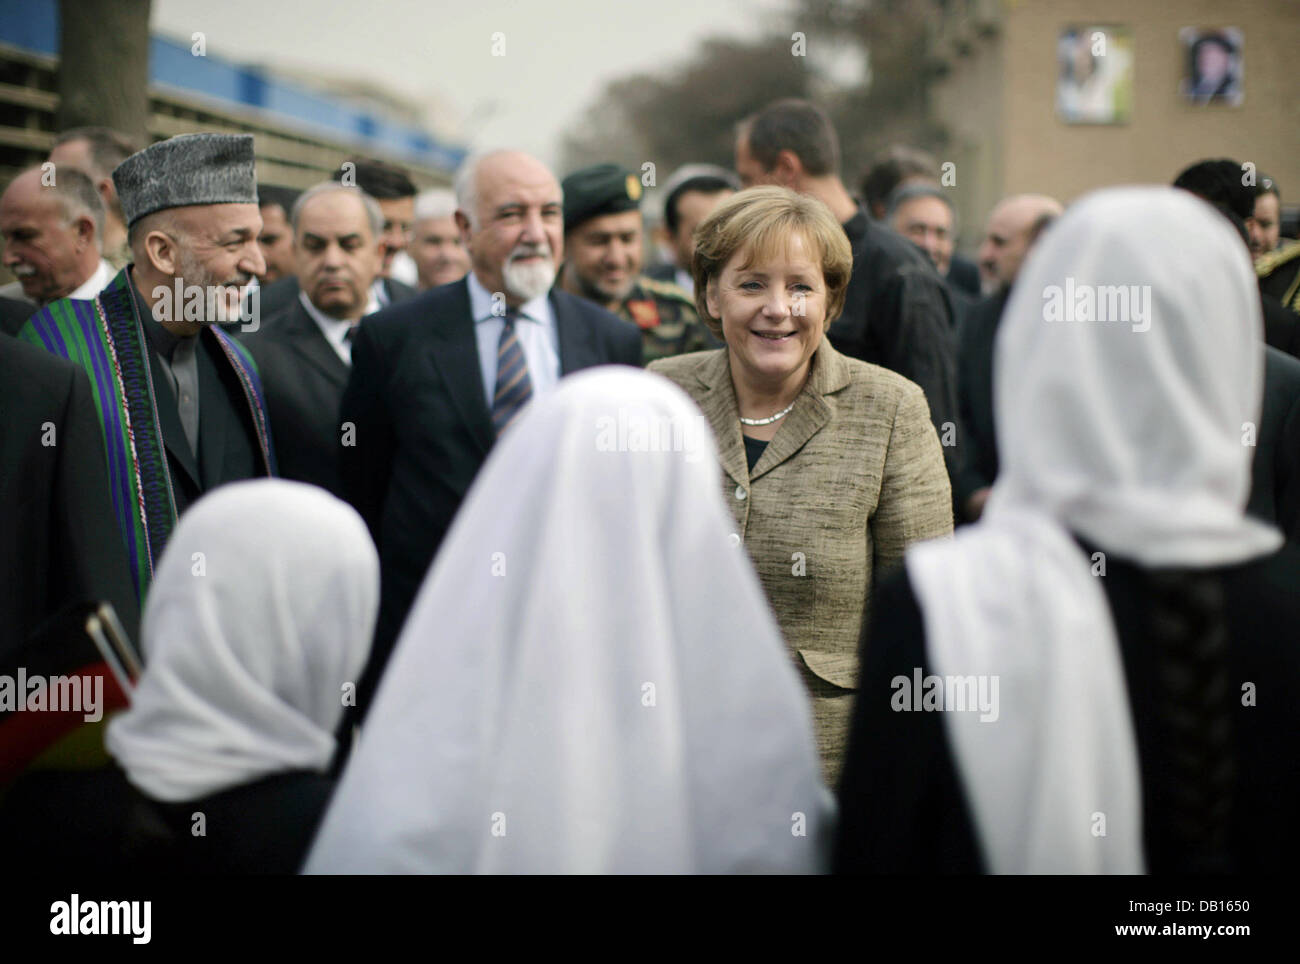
(644, 312)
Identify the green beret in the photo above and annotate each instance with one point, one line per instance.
(597, 190)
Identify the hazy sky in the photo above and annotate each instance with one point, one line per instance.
(558, 53)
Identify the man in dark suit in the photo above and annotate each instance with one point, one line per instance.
(59, 541)
(304, 354)
(14, 314)
(279, 296)
(436, 380)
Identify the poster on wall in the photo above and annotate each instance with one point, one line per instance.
(1095, 75)
(1212, 65)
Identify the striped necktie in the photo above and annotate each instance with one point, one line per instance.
(514, 388)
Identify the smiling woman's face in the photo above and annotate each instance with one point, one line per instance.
(773, 311)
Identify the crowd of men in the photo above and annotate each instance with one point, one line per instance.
(273, 372)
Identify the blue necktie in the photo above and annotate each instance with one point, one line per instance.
(514, 388)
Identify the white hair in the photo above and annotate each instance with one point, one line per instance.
(466, 182)
(434, 204)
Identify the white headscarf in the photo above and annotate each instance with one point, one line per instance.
(1132, 437)
(590, 680)
(261, 611)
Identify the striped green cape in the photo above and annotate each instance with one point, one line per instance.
(106, 338)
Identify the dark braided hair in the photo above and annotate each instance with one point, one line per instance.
(1186, 629)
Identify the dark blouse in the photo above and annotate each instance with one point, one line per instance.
(753, 450)
(903, 809)
(263, 827)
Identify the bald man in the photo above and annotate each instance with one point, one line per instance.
(53, 232)
(435, 380)
(1014, 226)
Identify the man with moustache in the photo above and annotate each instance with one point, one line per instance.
(603, 253)
(393, 191)
(179, 402)
(436, 380)
(52, 240)
(305, 353)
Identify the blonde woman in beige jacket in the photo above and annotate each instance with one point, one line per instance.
(831, 466)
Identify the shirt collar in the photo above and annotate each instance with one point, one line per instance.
(480, 304)
(96, 283)
(162, 340)
(333, 328)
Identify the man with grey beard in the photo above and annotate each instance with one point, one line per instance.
(437, 379)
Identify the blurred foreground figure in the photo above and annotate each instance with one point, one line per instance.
(1098, 637)
(249, 664)
(553, 704)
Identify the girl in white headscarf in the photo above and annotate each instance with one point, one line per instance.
(590, 680)
(256, 625)
(1106, 600)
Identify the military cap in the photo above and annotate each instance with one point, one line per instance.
(597, 190)
(187, 170)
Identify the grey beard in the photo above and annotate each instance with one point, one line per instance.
(527, 282)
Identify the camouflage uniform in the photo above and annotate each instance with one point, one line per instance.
(667, 318)
(1279, 274)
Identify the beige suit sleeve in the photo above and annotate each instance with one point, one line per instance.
(915, 495)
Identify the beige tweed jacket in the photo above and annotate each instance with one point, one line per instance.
(854, 475)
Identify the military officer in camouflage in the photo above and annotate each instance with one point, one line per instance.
(1279, 274)
(1277, 262)
(603, 255)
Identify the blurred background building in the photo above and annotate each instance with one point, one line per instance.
(305, 124)
(1002, 69)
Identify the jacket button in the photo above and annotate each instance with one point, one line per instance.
(741, 494)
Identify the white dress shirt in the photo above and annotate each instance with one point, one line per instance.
(96, 283)
(335, 330)
(535, 330)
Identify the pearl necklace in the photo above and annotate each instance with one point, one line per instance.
(770, 419)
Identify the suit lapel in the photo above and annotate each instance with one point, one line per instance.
(829, 374)
(454, 353)
(719, 406)
(306, 338)
(576, 348)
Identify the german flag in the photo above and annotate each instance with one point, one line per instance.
(59, 690)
